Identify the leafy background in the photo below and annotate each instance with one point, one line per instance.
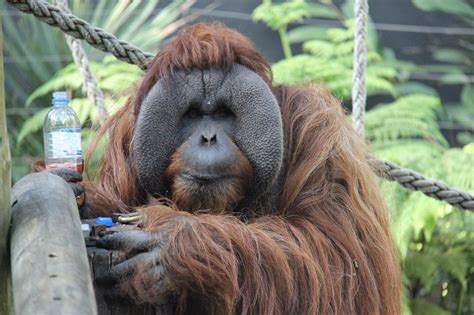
(435, 241)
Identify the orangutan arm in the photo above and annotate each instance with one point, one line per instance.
(249, 268)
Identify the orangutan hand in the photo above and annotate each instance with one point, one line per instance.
(141, 274)
(74, 180)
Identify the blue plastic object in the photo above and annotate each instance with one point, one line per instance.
(60, 98)
(107, 221)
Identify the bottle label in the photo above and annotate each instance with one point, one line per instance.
(66, 143)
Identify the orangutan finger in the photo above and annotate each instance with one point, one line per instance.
(128, 241)
(68, 175)
(77, 188)
(128, 267)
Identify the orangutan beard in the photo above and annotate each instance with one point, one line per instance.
(221, 194)
(214, 196)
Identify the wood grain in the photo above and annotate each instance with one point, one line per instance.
(50, 270)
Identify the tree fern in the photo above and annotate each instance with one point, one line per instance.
(409, 117)
(278, 16)
(329, 59)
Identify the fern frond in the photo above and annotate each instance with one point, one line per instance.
(319, 48)
(340, 35)
(66, 78)
(32, 125)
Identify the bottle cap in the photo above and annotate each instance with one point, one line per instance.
(60, 98)
(107, 221)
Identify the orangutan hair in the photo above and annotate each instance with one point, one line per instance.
(325, 249)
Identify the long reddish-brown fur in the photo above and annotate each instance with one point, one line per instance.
(326, 249)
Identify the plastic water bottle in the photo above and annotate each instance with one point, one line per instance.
(62, 135)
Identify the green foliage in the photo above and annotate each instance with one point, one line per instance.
(422, 307)
(440, 269)
(278, 16)
(328, 52)
(329, 59)
(434, 239)
(450, 55)
(32, 124)
(307, 32)
(406, 132)
(408, 88)
(457, 60)
(460, 7)
(409, 117)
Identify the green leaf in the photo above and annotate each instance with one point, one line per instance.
(421, 266)
(459, 114)
(469, 148)
(450, 55)
(460, 7)
(83, 108)
(319, 48)
(457, 169)
(339, 35)
(141, 12)
(454, 78)
(32, 125)
(279, 16)
(408, 118)
(423, 307)
(307, 32)
(322, 11)
(455, 263)
(348, 9)
(443, 68)
(467, 96)
(409, 88)
(66, 78)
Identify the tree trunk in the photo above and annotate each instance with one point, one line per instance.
(5, 183)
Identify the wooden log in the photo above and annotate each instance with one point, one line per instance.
(50, 270)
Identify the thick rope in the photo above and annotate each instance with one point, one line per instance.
(407, 178)
(361, 9)
(430, 187)
(80, 29)
(94, 93)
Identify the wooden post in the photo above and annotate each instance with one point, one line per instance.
(5, 183)
(50, 270)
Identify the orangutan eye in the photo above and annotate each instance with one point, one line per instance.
(223, 112)
(193, 113)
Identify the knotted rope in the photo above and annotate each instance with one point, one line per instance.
(80, 29)
(430, 187)
(131, 54)
(361, 9)
(94, 93)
